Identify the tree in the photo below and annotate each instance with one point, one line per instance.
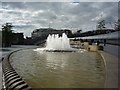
(101, 25)
(117, 25)
(79, 31)
(7, 34)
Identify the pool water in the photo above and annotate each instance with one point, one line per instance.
(59, 69)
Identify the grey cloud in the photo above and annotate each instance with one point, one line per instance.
(13, 5)
(59, 14)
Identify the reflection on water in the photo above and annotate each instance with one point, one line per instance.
(56, 60)
(60, 70)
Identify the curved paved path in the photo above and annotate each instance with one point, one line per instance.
(111, 63)
(0, 75)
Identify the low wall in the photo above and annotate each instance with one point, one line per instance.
(12, 80)
(93, 48)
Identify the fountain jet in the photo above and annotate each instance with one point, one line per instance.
(54, 43)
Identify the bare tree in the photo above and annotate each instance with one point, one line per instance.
(117, 25)
(101, 25)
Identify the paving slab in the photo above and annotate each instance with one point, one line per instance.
(0, 75)
(111, 64)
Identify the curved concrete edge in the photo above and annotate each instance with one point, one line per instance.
(11, 79)
(111, 69)
(1, 74)
(104, 62)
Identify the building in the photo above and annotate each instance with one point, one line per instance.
(28, 41)
(45, 32)
(18, 39)
(39, 35)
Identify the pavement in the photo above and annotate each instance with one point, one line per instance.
(111, 60)
(112, 49)
(0, 75)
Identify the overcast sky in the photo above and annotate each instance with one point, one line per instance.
(27, 16)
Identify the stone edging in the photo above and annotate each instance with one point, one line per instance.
(12, 80)
(104, 61)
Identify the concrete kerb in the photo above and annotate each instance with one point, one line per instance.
(10, 82)
(99, 52)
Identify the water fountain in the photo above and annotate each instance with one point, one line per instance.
(54, 43)
(52, 67)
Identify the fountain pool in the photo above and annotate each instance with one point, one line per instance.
(59, 69)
